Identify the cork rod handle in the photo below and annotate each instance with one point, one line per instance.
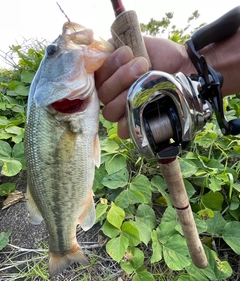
(173, 177)
(125, 30)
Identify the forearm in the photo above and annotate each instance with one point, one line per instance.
(224, 57)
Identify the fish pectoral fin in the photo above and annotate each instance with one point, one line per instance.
(97, 151)
(57, 262)
(88, 216)
(34, 214)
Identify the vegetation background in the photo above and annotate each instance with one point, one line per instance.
(142, 235)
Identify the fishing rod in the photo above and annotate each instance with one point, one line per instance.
(143, 107)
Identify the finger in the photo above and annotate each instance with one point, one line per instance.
(115, 108)
(114, 61)
(123, 131)
(122, 79)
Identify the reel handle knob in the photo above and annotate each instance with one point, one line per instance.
(234, 126)
(218, 30)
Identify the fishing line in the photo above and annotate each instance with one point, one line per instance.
(63, 12)
(113, 31)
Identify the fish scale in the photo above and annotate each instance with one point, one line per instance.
(61, 144)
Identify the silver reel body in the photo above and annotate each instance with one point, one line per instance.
(164, 113)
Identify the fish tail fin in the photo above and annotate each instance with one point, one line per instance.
(57, 263)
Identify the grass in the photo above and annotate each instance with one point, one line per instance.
(27, 264)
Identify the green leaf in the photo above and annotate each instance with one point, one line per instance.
(116, 180)
(100, 173)
(211, 164)
(231, 235)
(216, 269)
(5, 150)
(159, 184)
(11, 168)
(216, 224)
(127, 197)
(7, 188)
(194, 274)
(137, 258)
(206, 139)
(117, 247)
(188, 167)
(144, 231)
(116, 216)
(143, 276)
(215, 184)
(170, 215)
(18, 154)
(126, 266)
(21, 90)
(213, 200)
(115, 163)
(4, 135)
(234, 204)
(236, 186)
(109, 146)
(4, 239)
(3, 121)
(14, 130)
(166, 230)
(189, 188)
(110, 230)
(146, 215)
(205, 214)
(156, 248)
(27, 76)
(176, 253)
(101, 210)
(131, 232)
(141, 184)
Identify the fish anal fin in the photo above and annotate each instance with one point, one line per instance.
(34, 214)
(88, 216)
(57, 262)
(97, 151)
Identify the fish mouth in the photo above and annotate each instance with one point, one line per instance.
(70, 106)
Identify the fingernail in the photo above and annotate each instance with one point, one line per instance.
(139, 66)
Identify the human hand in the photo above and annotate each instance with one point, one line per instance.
(120, 70)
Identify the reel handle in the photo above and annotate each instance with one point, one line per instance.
(220, 29)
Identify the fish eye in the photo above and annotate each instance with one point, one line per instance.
(51, 49)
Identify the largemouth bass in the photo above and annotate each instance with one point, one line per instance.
(61, 141)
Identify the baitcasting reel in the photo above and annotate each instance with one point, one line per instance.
(166, 111)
